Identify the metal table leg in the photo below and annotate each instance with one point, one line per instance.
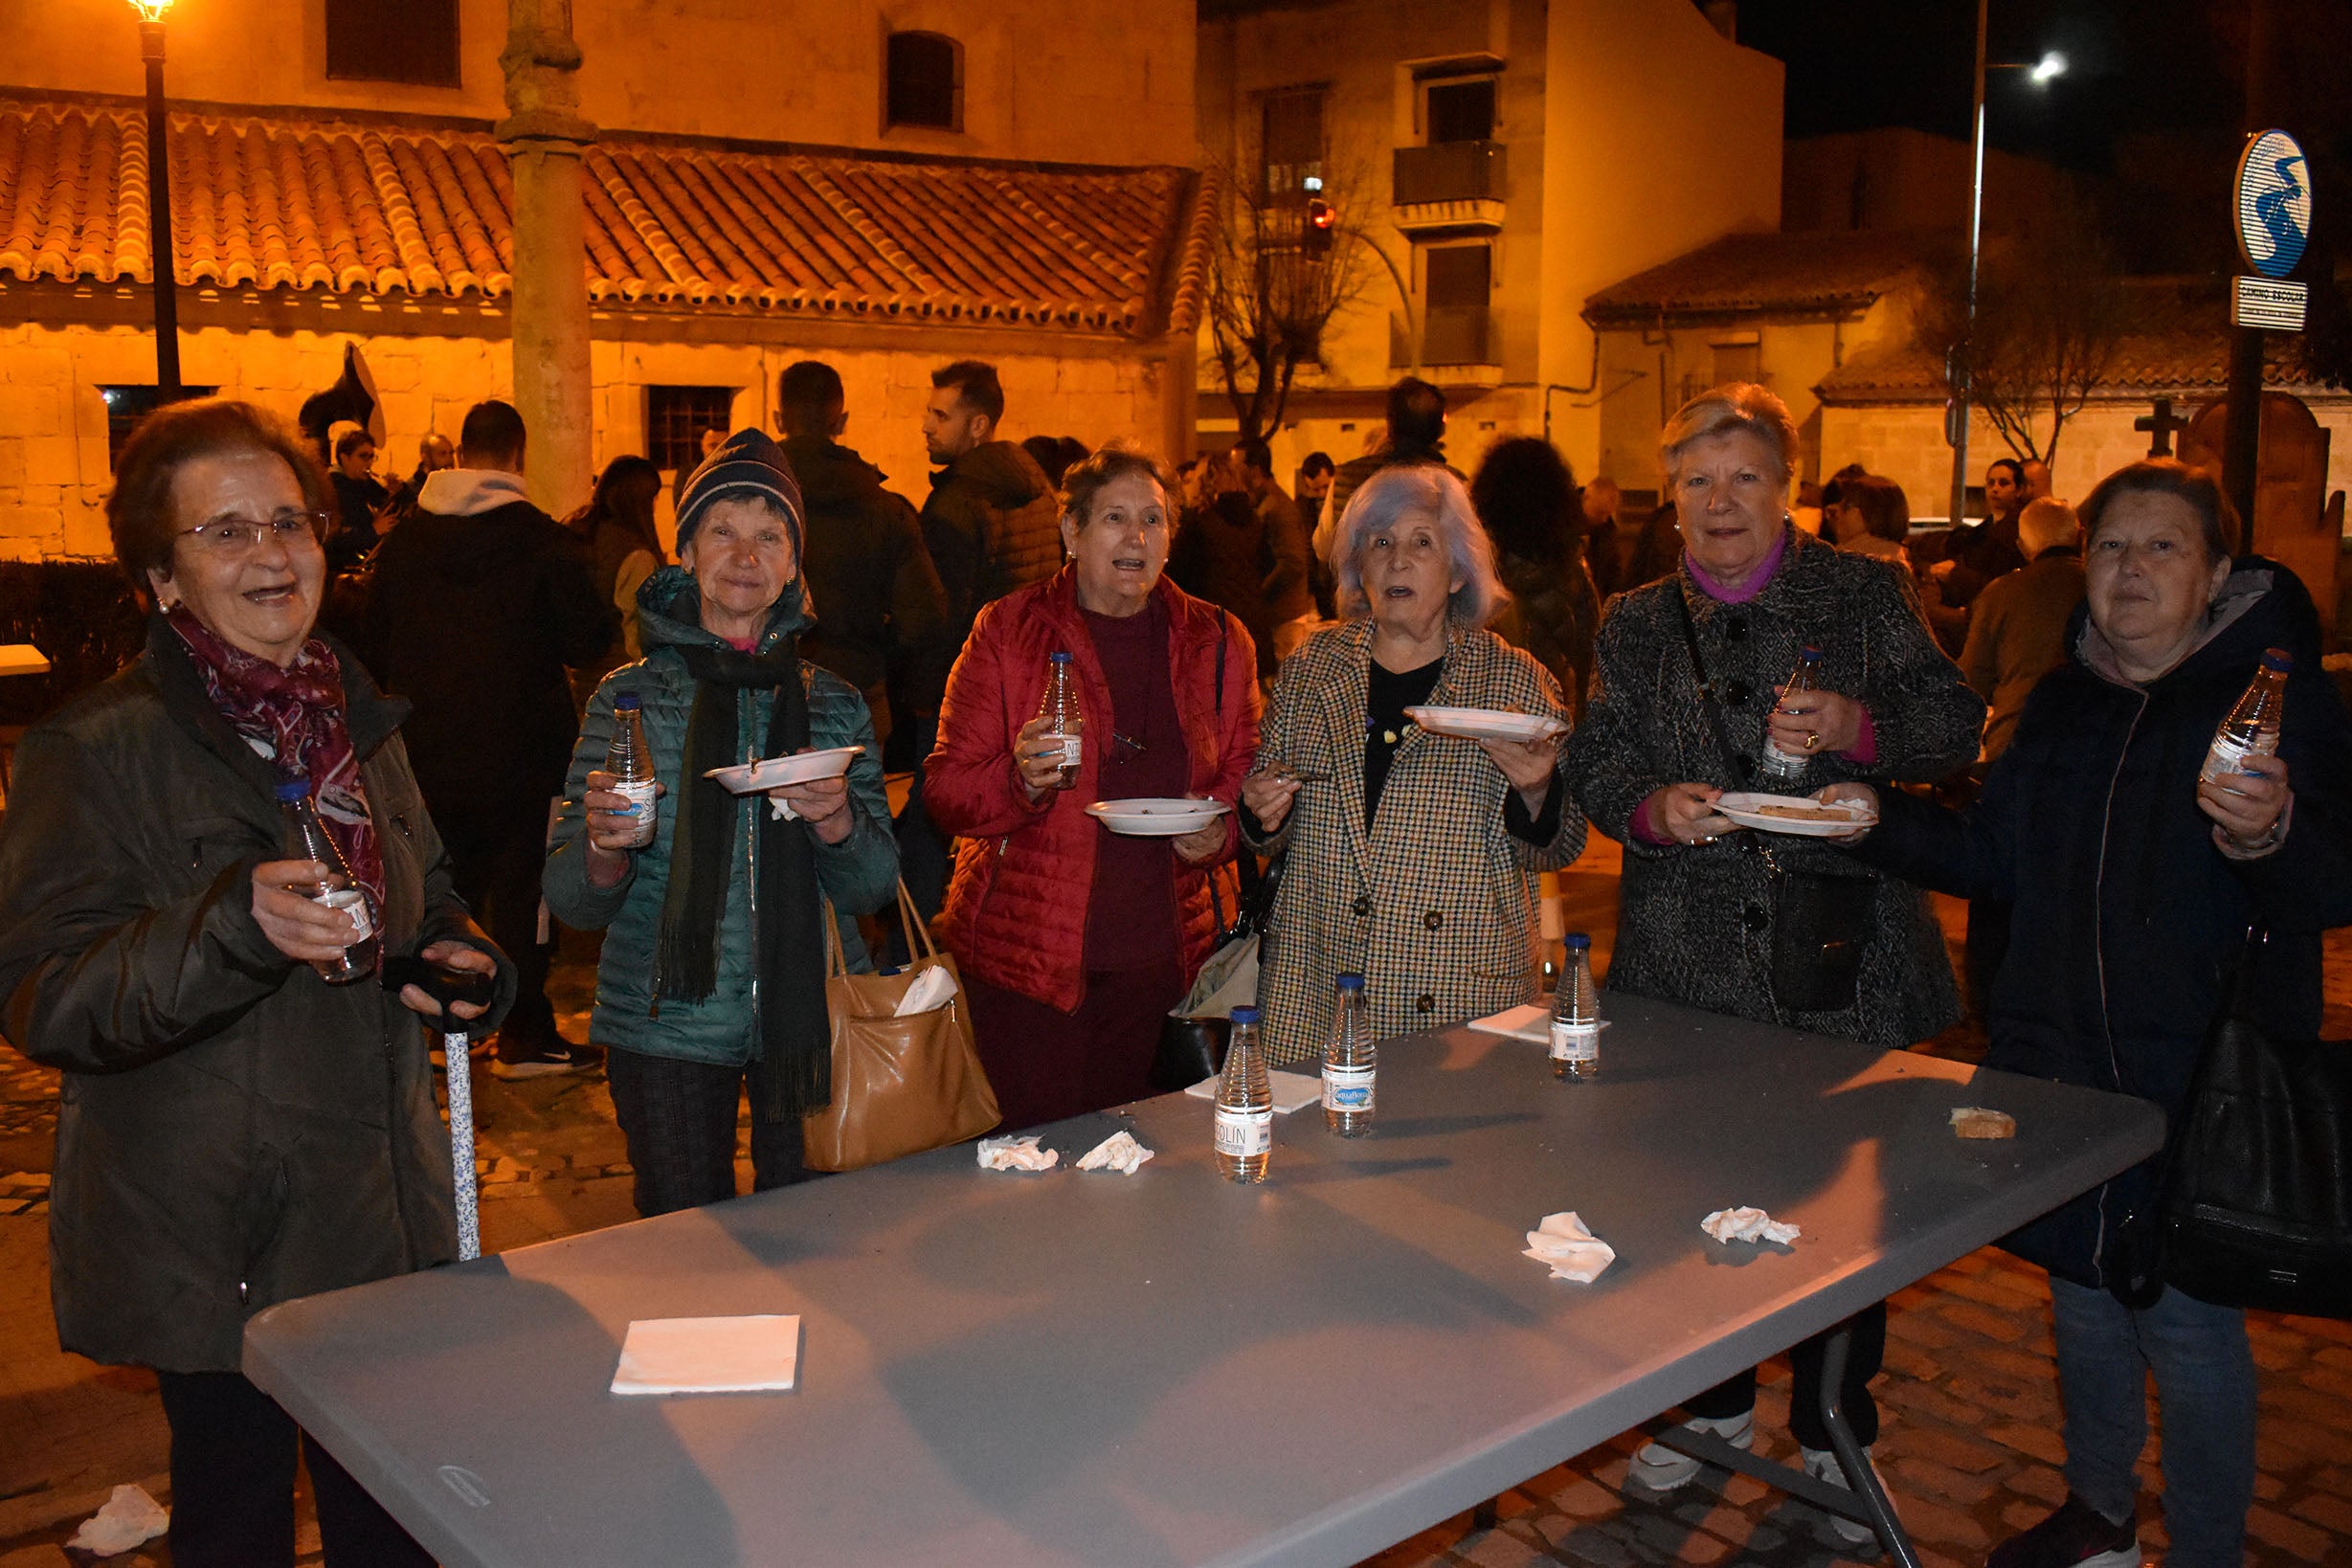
(1864, 1498)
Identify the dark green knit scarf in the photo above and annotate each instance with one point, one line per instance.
(789, 952)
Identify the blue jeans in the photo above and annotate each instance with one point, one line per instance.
(2205, 1386)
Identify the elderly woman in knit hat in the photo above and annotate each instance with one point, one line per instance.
(696, 998)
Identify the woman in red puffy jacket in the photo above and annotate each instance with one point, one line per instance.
(1074, 940)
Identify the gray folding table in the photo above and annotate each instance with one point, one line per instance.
(1168, 1368)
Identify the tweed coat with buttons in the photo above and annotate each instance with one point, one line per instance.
(1694, 923)
(1436, 906)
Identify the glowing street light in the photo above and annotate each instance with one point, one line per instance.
(159, 203)
(2041, 73)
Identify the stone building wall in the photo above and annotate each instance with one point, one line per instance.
(54, 474)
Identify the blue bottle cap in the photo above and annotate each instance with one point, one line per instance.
(1240, 1015)
(1809, 654)
(1576, 941)
(290, 790)
(624, 702)
(2277, 658)
(1060, 657)
(1350, 982)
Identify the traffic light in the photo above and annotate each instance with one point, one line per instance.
(1315, 239)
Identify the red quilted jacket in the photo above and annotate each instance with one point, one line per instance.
(1016, 915)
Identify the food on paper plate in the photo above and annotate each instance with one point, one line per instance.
(1977, 1122)
(1814, 811)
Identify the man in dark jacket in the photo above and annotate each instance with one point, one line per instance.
(1289, 598)
(479, 602)
(359, 498)
(991, 520)
(2017, 633)
(880, 613)
(1415, 433)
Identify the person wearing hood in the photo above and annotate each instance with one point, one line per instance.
(713, 974)
(2135, 887)
(882, 614)
(480, 603)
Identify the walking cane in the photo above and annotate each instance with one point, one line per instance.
(456, 1052)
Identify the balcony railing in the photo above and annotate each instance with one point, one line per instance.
(1450, 335)
(1449, 171)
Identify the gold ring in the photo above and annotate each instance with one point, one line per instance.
(1812, 742)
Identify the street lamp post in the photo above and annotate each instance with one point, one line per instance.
(159, 203)
(2040, 73)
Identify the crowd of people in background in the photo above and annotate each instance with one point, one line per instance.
(441, 665)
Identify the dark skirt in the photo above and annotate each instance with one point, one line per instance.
(1045, 1064)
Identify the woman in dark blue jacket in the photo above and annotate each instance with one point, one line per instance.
(2135, 887)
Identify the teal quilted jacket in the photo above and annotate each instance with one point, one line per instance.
(860, 874)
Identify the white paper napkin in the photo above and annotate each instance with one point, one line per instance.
(128, 1517)
(1017, 1155)
(1573, 1252)
(932, 989)
(1728, 1225)
(1531, 1022)
(709, 1355)
(1290, 1090)
(1119, 1152)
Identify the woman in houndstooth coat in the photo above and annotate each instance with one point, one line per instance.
(1412, 857)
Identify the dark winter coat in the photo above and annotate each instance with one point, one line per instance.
(473, 618)
(1694, 921)
(232, 1131)
(1221, 554)
(879, 608)
(993, 525)
(2129, 915)
(859, 874)
(2017, 635)
(1016, 915)
(1554, 612)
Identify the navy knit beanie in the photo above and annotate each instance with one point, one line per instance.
(746, 463)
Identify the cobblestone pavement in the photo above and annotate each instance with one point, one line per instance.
(1968, 1397)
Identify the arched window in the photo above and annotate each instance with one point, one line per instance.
(923, 81)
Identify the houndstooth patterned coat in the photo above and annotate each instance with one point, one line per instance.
(1435, 906)
(1694, 922)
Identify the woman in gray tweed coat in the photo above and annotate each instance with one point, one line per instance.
(1695, 905)
(1413, 857)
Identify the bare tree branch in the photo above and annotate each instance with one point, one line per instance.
(1271, 297)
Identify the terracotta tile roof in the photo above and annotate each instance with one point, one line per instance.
(1740, 274)
(275, 202)
(2177, 341)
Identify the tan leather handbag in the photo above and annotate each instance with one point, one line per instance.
(900, 1085)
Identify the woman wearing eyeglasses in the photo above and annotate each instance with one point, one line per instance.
(233, 1129)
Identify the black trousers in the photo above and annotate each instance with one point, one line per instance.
(233, 1485)
(1864, 1356)
(679, 1120)
(498, 847)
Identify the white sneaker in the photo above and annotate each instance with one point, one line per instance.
(1661, 1469)
(1823, 1466)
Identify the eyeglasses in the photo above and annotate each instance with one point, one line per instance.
(231, 537)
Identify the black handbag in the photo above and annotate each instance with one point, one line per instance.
(1821, 923)
(1192, 1047)
(2256, 1207)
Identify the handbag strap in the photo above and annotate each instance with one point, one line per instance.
(916, 930)
(837, 962)
(1707, 689)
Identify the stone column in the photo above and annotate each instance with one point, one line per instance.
(544, 137)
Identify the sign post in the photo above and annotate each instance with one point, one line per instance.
(2272, 208)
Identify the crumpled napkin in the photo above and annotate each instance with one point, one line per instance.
(1573, 1252)
(1017, 1155)
(1748, 1226)
(932, 989)
(128, 1517)
(1119, 1152)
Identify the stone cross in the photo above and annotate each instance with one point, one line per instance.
(2160, 426)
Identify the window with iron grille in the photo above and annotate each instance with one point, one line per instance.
(923, 81)
(126, 406)
(1290, 144)
(676, 418)
(414, 41)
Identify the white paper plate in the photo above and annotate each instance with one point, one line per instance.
(1156, 818)
(1486, 724)
(1742, 808)
(800, 767)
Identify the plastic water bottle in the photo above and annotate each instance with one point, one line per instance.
(307, 839)
(1576, 1014)
(2252, 729)
(1245, 1105)
(629, 759)
(1780, 767)
(1062, 721)
(1348, 1063)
